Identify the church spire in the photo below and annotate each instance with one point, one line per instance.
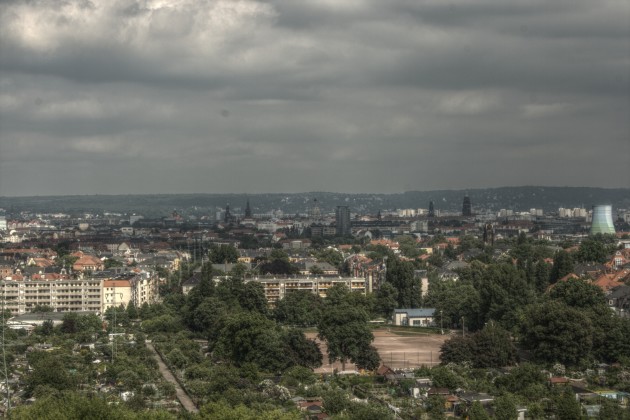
(248, 210)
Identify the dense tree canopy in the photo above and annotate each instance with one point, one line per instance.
(223, 254)
(345, 329)
(556, 332)
(400, 274)
(490, 347)
(299, 308)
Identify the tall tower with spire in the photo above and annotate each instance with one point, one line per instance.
(228, 215)
(248, 210)
(466, 206)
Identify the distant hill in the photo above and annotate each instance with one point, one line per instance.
(516, 198)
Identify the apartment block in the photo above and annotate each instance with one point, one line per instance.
(276, 289)
(78, 295)
(61, 295)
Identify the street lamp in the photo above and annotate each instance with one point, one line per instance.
(441, 322)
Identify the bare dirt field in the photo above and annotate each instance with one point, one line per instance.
(397, 351)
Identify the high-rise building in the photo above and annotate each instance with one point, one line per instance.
(431, 209)
(466, 207)
(342, 216)
(602, 220)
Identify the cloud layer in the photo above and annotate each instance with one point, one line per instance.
(269, 96)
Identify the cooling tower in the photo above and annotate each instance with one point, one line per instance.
(602, 220)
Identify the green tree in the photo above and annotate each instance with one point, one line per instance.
(204, 289)
(592, 250)
(562, 265)
(457, 349)
(450, 252)
(435, 407)
(556, 332)
(110, 262)
(249, 337)
(70, 405)
(278, 263)
(521, 379)
(369, 411)
(477, 412)
(223, 411)
(542, 273)
(316, 271)
(611, 410)
(252, 297)
(493, 347)
(566, 407)
(69, 324)
(400, 274)
(346, 332)
(443, 377)
(408, 246)
(335, 401)
(490, 347)
(49, 370)
(578, 293)
(368, 358)
(331, 256)
(208, 316)
(301, 350)
(223, 254)
(300, 308)
(386, 300)
(505, 407)
(455, 300)
(47, 327)
(503, 290)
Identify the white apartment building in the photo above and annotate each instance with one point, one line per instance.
(276, 289)
(61, 295)
(77, 295)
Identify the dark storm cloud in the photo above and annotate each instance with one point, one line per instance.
(210, 96)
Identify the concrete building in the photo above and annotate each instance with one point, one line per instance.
(78, 295)
(466, 207)
(276, 289)
(342, 219)
(116, 293)
(415, 317)
(61, 295)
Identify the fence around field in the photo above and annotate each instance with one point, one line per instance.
(410, 359)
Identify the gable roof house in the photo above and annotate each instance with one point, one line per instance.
(619, 300)
(88, 263)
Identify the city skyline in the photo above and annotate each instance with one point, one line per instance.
(272, 96)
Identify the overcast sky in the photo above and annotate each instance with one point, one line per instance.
(168, 96)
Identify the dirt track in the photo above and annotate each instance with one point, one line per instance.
(182, 396)
(396, 351)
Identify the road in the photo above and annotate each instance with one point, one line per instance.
(182, 396)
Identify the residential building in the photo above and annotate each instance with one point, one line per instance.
(116, 293)
(67, 295)
(276, 289)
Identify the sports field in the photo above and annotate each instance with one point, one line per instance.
(398, 351)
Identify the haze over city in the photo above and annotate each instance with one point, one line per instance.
(124, 97)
